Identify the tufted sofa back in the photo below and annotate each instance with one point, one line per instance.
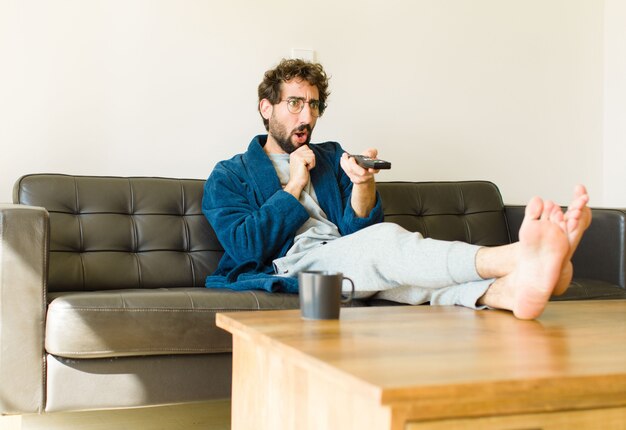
(115, 233)
(470, 211)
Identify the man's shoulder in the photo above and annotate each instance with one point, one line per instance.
(227, 167)
(229, 163)
(237, 162)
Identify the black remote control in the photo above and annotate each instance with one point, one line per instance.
(371, 163)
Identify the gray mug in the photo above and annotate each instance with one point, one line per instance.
(320, 294)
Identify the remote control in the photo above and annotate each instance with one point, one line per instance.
(371, 163)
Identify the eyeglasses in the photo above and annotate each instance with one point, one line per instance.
(296, 104)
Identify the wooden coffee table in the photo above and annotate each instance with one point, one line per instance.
(420, 367)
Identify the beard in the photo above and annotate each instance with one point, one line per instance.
(283, 138)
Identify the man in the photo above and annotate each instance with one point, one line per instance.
(285, 206)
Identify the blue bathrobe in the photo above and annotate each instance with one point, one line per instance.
(256, 221)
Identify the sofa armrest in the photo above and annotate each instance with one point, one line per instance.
(24, 232)
(601, 254)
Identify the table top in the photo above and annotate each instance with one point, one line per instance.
(575, 349)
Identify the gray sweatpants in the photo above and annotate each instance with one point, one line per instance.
(394, 264)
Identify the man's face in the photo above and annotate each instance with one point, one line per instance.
(289, 131)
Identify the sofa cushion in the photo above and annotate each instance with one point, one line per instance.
(139, 322)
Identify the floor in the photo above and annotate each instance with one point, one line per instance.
(214, 415)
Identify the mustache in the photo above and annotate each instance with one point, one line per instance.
(303, 127)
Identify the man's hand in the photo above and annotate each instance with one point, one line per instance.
(300, 162)
(356, 173)
(363, 197)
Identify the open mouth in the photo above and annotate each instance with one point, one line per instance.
(301, 136)
(302, 133)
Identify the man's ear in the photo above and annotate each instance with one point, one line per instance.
(265, 107)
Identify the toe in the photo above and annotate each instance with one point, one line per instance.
(534, 208)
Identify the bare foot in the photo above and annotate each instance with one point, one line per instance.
(577, 217)
(577, 220)
(565, 280)
(543, 248)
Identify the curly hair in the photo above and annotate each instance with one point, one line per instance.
(287, 70)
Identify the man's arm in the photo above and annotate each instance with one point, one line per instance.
(249, 230)
(363, 198)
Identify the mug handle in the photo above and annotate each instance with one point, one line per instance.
(351, 296)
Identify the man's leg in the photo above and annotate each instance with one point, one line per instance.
(525, 274)
(386, 256)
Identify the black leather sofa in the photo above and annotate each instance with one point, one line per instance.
(102, 298)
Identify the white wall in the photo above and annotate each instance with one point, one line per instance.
(615, 104)
(504, 90)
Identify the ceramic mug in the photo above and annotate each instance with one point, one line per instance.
(320, 294)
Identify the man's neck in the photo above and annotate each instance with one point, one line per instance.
(272, 147)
